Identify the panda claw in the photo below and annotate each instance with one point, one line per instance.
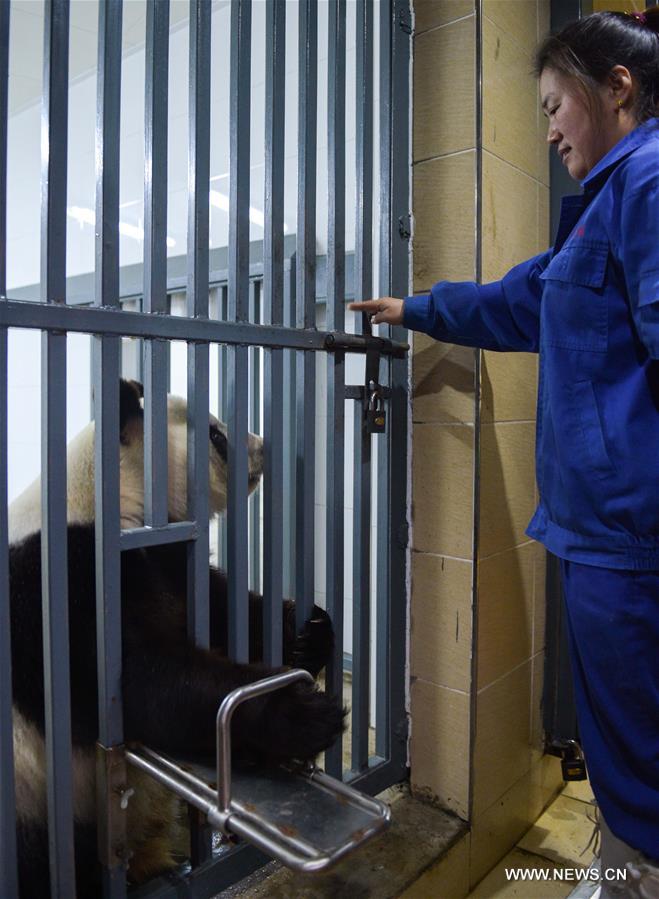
(305, 722)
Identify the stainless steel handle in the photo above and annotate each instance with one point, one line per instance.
(224, 714)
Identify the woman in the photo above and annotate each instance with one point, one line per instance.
(590, 307)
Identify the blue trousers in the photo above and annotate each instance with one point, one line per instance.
(613, 627)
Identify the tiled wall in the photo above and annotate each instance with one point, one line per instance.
(477, 608)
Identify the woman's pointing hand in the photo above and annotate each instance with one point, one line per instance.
(384, 311)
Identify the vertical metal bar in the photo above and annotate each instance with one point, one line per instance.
(383, 588)
(224, 371)
(306, 306)
(198, 355)
(395, 45)
(336, 363)
(273, 313)
(241, 26)
(361, 592)
(168, 351)
(255, 427)
(223, 364)
(362, 480)
(8, 872)
(106, 384)
(155, 260)
(307, 127)
(140, 353)
(110, 816)
(289, 415)
(197, 300)
(92, 368)
(106, 354)
(364, 149)
(108, 100)
(4, 123)
(54, 121)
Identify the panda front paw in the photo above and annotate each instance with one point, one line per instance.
(312, 648)
(300, 723)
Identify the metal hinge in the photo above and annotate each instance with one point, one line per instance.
(405, 226)
(405, 20)
(112, 795)
(401, 730)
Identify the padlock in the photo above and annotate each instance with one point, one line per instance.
(376, 417)
(573, 765)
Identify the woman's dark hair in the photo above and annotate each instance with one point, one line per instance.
(587, 50)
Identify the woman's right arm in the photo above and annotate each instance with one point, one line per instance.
(503, 315)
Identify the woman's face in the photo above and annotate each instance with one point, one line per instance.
(581, 137)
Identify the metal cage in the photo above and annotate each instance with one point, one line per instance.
(266, 327)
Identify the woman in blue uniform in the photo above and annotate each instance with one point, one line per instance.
(590, 307)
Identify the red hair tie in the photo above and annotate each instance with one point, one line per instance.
(639, 16)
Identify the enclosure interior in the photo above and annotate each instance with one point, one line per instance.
(357, 569)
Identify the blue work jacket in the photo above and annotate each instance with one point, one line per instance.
(590, 307)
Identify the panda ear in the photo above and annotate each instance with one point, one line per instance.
(129, 403)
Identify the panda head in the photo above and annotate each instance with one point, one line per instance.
(132, 457)
(25, 511)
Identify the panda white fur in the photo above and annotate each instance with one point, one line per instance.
(170, 688)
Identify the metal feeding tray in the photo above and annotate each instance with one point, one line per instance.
(303, 818)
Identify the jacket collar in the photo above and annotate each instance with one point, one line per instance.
(640, 135)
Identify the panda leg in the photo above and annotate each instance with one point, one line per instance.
(33, 871)
(189, 684)
(33, 864)
(310, 649)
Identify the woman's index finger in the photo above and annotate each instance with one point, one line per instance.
(364, 304)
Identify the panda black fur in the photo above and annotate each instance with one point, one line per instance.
(171, 690)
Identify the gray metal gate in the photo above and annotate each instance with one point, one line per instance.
(269, 311)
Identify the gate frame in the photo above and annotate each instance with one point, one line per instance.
(108, 323)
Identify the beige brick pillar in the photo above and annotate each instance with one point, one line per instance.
(477, 644)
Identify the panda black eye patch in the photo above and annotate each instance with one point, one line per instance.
(219, 441)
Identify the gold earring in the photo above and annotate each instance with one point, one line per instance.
(619, 104)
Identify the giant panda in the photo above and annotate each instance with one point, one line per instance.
(171, 690)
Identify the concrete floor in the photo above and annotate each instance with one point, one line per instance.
(562, 838)
(420, 834)
(559, 841)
